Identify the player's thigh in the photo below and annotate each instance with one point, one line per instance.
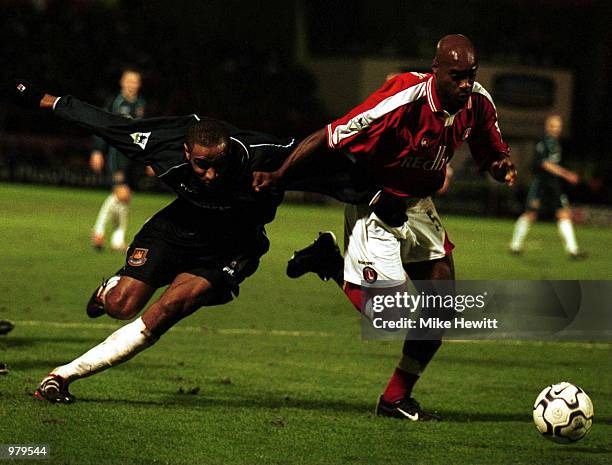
(533, 202)
(152, 260)
(437, 269)
(373, 249)
(431, 241)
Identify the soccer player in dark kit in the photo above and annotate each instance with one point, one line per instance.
(404, 134)
(202, 245)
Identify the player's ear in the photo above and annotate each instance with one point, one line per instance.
(187, 153)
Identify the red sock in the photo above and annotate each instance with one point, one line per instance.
(400, 385)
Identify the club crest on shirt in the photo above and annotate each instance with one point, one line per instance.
(140, 138)
(466, 133)
(138, 257)
(425, 143)
(369, 274)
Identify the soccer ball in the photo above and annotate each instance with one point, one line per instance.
(563, 413)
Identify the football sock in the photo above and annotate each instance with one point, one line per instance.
(566, 229)
(521, 228)
(120, 346)
(400, 385)
(416, 354)
(104, 214)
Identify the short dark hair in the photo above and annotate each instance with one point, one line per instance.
(207, 133)
(131, 69)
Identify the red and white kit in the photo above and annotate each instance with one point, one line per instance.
(406, 140)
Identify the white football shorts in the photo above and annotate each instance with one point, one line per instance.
(375, 251)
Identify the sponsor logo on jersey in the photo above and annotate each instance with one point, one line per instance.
(413, 161)
(140, 138)
(138, 257)
(370, 275)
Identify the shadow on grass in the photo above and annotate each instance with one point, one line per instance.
(199, 401)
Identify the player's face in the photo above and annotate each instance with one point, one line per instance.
(553, 126)
(130, 84)
(210, 164)
(455, 80)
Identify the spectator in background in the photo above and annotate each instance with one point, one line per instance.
(122, 171)
(546, 191)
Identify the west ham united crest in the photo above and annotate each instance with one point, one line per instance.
(369, 274)
(138, 257)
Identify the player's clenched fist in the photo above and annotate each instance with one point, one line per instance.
(503, 171)
(263, 180)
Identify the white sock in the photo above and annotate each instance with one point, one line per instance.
(120, 346)
(566, 230)
(521, 228)
(120, 211)
(106, 210)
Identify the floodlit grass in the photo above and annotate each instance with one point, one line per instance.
(281, 374)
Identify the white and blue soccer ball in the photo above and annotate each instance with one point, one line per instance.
(563, 413)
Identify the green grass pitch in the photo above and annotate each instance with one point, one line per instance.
(280, 375)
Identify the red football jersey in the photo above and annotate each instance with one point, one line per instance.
(407, 138)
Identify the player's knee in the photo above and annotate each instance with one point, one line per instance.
(118, 304)
(442, 269)
(564, 214)
(531, 216)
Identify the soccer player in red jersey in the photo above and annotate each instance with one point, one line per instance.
(404, 135)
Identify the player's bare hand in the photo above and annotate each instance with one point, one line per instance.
(149, 171)
(504, 171)
(572, 178)
(96, 162)
(264, 181)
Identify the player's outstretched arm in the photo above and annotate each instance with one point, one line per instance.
(263, 181)
(568, 175)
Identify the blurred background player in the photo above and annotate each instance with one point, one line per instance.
(5, 327)
(546, 191)
(121, 170)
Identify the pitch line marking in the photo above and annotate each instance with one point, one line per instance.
(291, 333)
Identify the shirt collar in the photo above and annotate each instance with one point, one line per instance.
(434, 101)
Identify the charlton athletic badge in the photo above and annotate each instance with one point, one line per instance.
(138, 257)
(369, 274)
